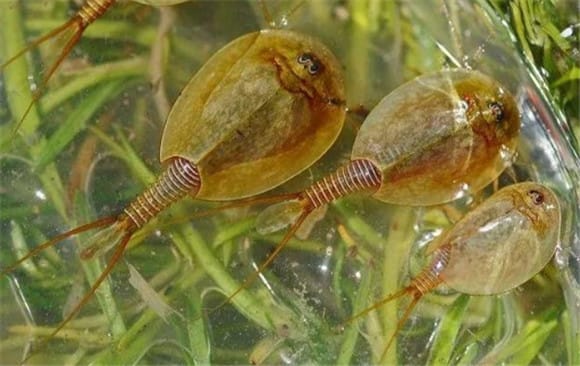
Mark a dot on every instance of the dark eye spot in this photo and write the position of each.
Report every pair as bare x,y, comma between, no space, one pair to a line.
313,68
310,62
536,196
304,58
497,111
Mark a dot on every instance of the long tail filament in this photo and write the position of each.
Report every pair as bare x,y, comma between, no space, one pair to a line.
426,281
87,14
180,178
358,175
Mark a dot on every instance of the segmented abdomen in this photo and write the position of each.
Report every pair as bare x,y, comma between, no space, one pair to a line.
358,175
429,278
180,178
92,10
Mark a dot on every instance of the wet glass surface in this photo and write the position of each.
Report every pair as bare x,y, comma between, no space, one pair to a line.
92,144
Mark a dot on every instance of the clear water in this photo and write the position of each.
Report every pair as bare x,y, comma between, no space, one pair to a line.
359,251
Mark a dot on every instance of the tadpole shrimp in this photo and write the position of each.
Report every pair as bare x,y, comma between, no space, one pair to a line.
494,248
260,111
71,32
434,139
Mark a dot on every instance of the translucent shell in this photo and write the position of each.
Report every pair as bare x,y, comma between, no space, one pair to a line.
504,242
439,137
261,110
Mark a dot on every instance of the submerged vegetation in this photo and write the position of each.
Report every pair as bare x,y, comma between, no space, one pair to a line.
91,144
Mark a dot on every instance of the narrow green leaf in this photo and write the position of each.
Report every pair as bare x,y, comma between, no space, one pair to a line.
93,269
532,345
573,75
247,304
21,248
468,357
199,345
446,334
133,67
103,29
77,121
15,74
351,333
525,346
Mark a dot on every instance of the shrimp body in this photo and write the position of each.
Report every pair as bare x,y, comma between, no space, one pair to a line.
430,141
506,240
439,137
260,111
499,245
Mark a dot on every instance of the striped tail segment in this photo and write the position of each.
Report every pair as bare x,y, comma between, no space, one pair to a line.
358,175
429,278
180,178
92,10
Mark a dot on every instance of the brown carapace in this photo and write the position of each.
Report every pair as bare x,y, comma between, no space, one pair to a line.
434,139
260,111
497,246
71,32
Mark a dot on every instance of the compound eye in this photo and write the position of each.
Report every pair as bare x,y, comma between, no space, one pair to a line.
304,59
536,196
497,111
313,68
311,64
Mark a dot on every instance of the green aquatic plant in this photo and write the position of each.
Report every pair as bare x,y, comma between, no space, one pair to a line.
91,144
